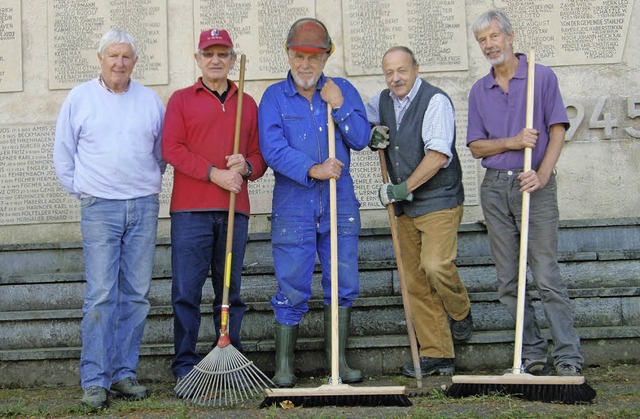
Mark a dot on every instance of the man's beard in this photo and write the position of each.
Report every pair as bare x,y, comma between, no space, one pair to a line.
496,61
305,85
500,59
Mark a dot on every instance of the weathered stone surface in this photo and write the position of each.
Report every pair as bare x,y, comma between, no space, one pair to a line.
40,317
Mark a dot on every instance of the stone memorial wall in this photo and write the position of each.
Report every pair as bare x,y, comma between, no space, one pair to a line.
372,27
258,29
10,46
46,48
28,191
571,32
76,26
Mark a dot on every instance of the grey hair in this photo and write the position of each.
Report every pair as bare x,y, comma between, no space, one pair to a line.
485,19
116,36
405,50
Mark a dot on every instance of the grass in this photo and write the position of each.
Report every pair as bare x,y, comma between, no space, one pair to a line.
618,397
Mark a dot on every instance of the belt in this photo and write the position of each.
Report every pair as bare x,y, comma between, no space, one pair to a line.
497,173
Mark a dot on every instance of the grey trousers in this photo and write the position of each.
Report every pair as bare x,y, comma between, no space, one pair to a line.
502,208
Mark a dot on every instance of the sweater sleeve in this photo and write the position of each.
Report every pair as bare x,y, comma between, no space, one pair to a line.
174,142
65,147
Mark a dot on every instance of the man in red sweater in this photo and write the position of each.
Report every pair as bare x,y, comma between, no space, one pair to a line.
197,140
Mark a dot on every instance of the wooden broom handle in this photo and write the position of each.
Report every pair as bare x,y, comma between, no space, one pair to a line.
524,226
413,342
333,212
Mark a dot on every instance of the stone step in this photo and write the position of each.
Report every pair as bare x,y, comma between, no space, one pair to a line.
374,316
374,355
42,287
601,238
317,343
68,291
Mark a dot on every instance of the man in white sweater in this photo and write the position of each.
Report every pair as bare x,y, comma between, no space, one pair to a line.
107,154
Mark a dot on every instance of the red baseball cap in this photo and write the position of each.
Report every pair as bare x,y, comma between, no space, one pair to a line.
214,37
309,35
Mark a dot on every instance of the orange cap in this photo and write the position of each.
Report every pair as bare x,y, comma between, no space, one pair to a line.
309,35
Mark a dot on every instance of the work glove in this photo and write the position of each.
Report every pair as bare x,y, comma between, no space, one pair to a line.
379,137
390,193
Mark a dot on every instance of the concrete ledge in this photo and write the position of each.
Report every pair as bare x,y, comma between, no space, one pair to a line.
67,290
579,240
374,355
42,288
478,340
21,330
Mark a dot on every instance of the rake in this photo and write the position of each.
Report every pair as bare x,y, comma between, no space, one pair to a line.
225,376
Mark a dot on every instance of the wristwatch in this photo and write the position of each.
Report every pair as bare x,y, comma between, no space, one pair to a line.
249,170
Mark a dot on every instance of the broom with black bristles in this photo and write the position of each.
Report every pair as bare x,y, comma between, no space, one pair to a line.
225,375
335,393
518,383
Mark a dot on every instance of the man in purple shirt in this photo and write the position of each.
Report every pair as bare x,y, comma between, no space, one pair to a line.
495,133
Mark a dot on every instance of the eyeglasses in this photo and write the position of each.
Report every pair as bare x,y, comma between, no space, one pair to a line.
314,60
209,55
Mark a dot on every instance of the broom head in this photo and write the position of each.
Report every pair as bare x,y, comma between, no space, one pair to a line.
570,390
336,395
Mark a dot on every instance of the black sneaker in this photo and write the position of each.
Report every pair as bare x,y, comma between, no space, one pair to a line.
536,366
95,397
430,366
129,389
461,330
568,370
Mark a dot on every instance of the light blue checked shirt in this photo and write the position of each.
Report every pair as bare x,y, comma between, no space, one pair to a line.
438,125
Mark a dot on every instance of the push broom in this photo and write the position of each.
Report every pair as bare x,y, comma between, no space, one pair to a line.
225,375
335,393
413,342
518,383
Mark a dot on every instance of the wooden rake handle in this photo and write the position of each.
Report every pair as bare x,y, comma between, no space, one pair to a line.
224,318
524,226
411,330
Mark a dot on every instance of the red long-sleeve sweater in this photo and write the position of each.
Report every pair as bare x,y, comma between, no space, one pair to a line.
198,131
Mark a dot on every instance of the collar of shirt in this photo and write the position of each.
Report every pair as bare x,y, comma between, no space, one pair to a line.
400,106
108,89
222,97
521,71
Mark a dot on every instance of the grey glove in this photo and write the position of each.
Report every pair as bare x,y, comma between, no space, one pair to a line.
390,193
379,137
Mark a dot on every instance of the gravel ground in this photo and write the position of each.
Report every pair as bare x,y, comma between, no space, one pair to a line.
618,396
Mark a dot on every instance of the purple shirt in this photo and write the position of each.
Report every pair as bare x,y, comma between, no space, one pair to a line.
496,114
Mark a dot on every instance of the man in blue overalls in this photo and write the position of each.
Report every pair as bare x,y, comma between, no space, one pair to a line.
294,143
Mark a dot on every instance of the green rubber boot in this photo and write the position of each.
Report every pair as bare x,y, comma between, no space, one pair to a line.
347,374
285,344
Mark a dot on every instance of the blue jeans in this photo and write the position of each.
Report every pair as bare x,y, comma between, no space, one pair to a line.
502,206
198,242
119,243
